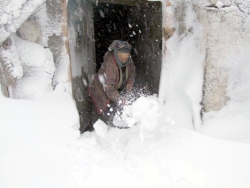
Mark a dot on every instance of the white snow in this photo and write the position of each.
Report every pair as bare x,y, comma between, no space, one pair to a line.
35,135
12,60
231,128
182,71
13,13
39,68
100,128
219,4
41,147
32,54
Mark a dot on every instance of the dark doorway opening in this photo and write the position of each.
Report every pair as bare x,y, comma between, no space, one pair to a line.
141,25
92,28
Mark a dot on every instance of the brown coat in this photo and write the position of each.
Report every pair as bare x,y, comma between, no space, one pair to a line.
105,85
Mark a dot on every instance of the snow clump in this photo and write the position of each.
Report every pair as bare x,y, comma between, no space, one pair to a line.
100,128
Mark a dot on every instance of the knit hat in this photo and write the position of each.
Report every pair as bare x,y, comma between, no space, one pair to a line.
119,45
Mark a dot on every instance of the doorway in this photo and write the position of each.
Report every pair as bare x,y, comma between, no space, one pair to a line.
140,24
92,28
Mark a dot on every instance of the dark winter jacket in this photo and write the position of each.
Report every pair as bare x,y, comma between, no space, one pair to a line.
106,83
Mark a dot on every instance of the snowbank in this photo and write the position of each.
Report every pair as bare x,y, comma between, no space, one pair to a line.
168,156
182,67
38,68
35,139
39,148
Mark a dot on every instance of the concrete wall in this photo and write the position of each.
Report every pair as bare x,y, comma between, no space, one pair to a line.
228,42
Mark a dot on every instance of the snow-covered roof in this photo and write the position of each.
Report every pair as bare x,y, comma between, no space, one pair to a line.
14,13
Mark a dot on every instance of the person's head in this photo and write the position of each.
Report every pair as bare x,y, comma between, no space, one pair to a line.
122,50
123,56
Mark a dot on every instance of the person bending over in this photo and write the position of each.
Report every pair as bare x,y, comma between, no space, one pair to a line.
115,77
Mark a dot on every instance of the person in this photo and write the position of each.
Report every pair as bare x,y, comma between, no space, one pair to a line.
115,77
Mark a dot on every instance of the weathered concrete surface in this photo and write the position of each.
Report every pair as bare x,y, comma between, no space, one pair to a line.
30,30
228,39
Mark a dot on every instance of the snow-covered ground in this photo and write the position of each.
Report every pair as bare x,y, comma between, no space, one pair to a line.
41,147
34,140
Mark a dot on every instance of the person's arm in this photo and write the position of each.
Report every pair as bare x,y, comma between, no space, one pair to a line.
111,75
131,77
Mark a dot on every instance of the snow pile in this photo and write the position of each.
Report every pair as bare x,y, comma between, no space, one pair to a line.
176,112
100,128
233,120
35,139
135,114
235,127
146,107
39,68
40,149
182,68
167,157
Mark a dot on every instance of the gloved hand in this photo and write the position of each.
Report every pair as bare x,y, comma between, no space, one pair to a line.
122,101
129,87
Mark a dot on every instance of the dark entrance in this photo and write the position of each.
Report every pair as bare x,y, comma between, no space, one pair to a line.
140,24
92,28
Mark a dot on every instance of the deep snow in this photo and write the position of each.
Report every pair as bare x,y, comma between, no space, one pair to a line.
40,145
34,140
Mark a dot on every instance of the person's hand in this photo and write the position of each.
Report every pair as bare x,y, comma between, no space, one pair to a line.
129,88
122,101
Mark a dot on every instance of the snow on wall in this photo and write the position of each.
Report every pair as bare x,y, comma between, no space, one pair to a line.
182,69
13,13
11,69
39,68
44,27
48,17
13,63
